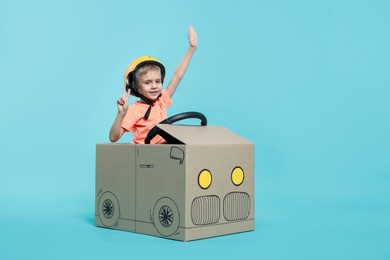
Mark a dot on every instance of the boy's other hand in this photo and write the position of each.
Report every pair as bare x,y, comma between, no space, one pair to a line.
123,101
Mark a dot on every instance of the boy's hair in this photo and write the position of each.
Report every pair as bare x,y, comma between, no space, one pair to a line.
141,71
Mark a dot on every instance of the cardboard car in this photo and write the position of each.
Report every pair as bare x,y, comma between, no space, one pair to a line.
199,184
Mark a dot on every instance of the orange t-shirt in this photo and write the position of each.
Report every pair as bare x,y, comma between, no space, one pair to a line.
135,122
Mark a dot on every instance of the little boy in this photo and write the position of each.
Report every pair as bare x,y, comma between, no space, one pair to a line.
143,79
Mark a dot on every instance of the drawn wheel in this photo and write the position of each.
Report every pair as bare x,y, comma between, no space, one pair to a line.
108,209
166,217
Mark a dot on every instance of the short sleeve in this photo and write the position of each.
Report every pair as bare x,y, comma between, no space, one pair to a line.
128,121
166,100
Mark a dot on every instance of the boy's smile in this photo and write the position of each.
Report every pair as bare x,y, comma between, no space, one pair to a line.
150,84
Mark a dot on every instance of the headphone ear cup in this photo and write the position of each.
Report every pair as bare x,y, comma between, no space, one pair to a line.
130,85
134,90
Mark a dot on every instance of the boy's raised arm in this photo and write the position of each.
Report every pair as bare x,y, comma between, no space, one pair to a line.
183,65
116,130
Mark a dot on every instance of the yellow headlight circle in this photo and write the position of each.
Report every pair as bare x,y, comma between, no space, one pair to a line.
238,176
204,179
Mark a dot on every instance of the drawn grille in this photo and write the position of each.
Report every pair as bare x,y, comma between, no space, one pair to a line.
205,210
236,206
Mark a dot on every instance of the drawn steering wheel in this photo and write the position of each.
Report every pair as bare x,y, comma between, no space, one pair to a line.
170,120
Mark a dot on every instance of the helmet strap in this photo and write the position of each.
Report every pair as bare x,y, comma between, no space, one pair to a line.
150,103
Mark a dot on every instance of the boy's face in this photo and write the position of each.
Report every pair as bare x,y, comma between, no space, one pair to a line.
150,84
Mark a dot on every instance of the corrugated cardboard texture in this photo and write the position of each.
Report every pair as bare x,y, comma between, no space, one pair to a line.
161,190
115,186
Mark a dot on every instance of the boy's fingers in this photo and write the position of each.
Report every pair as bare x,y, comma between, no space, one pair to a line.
122,100
125,94
192,30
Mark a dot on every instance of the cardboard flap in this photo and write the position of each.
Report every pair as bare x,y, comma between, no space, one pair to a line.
201,134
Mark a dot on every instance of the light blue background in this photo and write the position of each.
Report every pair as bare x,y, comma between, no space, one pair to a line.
306,81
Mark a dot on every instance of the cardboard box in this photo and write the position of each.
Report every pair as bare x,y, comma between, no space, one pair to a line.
199,185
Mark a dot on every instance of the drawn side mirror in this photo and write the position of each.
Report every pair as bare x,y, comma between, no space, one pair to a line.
177,154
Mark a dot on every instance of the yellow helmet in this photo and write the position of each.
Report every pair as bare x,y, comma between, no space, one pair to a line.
130,80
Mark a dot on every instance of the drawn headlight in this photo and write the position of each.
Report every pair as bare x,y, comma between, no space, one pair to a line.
204,179
237,176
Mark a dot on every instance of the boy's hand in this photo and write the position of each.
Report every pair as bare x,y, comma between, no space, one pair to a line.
192,37
123,101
